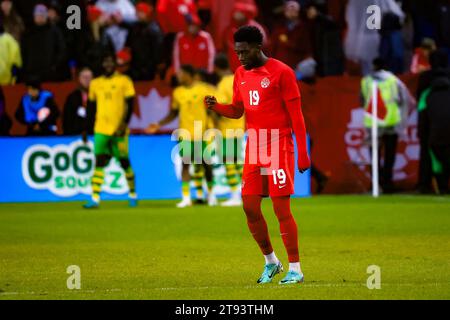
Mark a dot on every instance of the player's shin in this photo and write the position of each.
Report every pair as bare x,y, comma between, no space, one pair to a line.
97,181
240,169
288,230
129,173
212,200
198,182
232,177
185,187
257,224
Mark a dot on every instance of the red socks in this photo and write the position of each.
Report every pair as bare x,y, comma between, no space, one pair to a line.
258,226
288,227
256,223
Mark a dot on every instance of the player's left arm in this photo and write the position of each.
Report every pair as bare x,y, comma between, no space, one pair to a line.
292,101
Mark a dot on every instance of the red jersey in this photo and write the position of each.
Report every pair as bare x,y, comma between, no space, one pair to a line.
270,98
263,92
198,51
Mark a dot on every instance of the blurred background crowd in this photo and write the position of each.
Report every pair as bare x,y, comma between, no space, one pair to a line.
152,38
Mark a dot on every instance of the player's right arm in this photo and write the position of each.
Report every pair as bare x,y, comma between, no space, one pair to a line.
235,110
172,115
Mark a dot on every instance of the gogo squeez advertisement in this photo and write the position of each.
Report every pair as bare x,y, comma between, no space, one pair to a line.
66,170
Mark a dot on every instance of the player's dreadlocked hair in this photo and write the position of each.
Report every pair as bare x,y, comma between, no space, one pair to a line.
249,34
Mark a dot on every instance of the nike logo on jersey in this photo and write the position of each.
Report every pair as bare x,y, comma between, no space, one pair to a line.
243,83
281,187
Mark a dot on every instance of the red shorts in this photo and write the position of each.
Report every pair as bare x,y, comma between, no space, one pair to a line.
276,180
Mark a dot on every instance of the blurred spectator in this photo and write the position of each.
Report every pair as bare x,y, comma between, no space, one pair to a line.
116,30
74,118
243,14
10,58
326,40
204,12
391,44
408,36
37,110
122,10
123,60
439,63
43,49
172,14
194,47
290,39
145,42
361,43
271,12
434,129
421,58
439,70
12,22
336,9
96,43
425,17
392,97
54,13
5,121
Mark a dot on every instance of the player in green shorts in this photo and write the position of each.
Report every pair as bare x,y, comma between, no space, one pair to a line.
111,98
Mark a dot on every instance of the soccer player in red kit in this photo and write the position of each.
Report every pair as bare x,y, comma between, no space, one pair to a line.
266,90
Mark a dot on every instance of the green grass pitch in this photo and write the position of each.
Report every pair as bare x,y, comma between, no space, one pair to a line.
159,252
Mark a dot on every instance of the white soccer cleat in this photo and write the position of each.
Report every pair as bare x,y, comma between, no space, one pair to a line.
234,201
186,202
212,200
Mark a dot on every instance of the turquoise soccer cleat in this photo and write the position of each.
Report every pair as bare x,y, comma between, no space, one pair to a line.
270,270
292,277
91,204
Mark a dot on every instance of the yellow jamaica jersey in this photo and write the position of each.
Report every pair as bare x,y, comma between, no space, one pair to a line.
224,95
193,114
110,94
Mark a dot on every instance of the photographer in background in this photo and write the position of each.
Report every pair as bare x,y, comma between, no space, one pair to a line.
37,110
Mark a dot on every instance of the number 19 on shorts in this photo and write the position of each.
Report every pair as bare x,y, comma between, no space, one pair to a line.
279,177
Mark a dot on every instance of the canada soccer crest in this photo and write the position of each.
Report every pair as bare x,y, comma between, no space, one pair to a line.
265,83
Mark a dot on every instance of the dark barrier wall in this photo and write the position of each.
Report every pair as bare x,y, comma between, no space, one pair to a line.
334,120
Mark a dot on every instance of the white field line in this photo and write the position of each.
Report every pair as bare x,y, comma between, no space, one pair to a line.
304,285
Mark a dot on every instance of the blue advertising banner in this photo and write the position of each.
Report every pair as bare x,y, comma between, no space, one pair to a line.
59,169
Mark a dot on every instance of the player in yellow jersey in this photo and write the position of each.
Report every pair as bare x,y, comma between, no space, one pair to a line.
188,105
232,131
111,98
199,174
